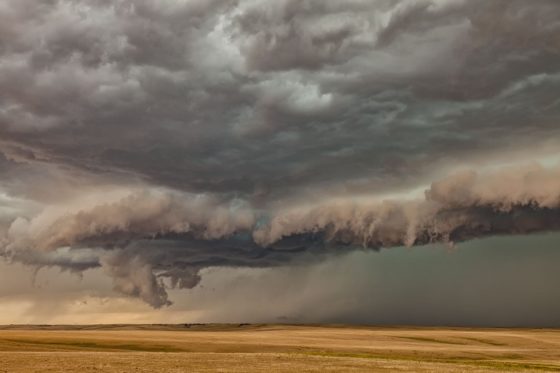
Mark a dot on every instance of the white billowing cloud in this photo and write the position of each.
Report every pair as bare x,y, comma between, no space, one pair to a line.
144,214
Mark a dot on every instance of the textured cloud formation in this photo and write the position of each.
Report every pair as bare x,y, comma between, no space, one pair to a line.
155,139
143,236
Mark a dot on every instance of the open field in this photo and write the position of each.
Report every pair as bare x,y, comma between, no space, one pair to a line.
275,348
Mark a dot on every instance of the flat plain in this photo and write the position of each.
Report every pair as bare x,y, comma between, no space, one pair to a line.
275,348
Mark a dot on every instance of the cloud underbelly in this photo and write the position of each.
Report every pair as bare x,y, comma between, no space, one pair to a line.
148,236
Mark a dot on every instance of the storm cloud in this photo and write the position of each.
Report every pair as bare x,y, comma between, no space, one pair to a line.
153,140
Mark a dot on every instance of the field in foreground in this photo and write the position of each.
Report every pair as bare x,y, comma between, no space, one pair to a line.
275,348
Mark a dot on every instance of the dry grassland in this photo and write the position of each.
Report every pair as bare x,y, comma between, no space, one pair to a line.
270,348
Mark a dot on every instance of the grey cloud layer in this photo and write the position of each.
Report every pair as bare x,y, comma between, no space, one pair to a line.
154,139
256,97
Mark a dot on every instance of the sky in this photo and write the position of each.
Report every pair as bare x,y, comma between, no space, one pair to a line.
357,161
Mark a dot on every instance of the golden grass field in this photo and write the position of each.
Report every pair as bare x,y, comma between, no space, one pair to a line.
275,348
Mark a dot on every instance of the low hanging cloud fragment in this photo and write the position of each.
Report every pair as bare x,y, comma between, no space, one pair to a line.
145,237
